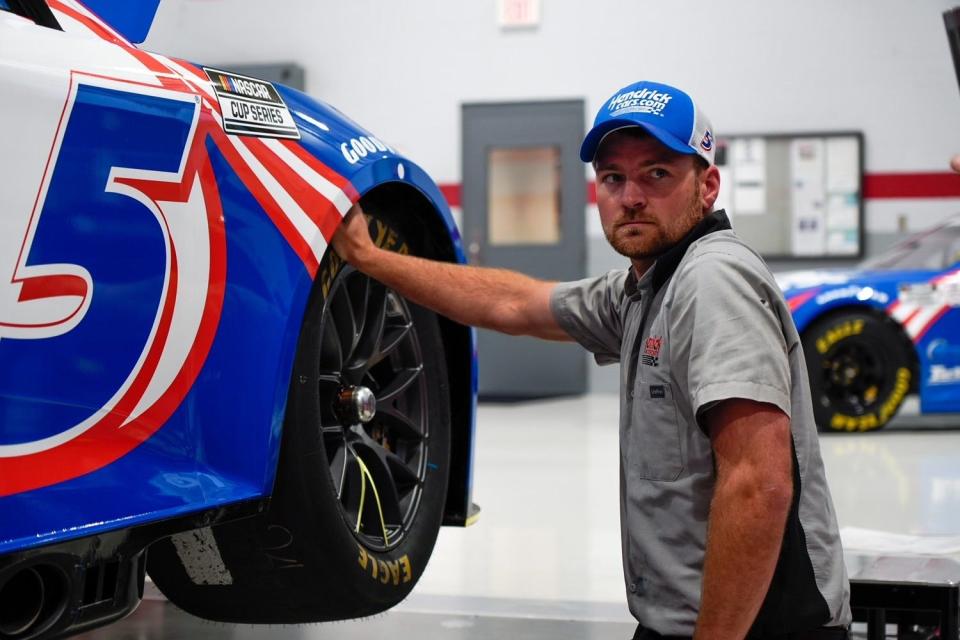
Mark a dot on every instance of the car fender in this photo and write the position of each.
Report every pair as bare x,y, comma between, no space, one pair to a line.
811,304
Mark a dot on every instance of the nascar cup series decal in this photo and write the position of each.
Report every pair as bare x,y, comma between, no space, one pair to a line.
251,107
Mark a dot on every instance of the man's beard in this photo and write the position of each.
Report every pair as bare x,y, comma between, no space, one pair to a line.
655,240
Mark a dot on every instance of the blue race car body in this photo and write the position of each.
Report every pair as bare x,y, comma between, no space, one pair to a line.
165,229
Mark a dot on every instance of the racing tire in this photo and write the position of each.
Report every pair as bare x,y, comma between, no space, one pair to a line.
860,369
356,506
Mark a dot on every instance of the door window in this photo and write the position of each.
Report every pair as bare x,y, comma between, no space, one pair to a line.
523,190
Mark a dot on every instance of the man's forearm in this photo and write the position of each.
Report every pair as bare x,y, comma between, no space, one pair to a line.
745,532
491,298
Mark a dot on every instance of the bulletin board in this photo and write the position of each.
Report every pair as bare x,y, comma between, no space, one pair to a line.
794,195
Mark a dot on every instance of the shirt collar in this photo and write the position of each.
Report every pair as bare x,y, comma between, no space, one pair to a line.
657,275
635,286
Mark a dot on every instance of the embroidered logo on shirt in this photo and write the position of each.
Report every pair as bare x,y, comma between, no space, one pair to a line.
651,351
657,391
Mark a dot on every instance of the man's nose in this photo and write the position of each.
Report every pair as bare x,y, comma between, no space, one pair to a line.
633,196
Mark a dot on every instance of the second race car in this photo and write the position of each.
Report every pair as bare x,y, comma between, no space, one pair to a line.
889,328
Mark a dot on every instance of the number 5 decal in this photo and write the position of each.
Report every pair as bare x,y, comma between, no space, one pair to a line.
116,286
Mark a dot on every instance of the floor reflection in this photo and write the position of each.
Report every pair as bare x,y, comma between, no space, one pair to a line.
544,559
159,620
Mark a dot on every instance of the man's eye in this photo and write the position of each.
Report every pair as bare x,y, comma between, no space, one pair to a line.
611,178
659,173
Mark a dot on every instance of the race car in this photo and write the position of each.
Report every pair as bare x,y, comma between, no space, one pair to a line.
887,329
194,385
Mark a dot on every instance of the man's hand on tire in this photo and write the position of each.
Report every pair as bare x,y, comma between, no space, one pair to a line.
352,239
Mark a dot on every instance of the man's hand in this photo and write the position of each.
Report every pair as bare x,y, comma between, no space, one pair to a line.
495,299
352,239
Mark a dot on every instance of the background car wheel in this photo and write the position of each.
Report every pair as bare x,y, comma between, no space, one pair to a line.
359,495
860,369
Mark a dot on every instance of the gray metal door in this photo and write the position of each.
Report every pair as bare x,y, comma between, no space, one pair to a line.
524,194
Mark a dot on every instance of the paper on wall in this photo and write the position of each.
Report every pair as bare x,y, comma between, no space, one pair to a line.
748,158
807,168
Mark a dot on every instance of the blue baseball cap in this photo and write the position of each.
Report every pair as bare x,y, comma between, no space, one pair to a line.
667,113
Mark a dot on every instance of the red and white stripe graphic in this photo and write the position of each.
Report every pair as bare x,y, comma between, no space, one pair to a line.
304,198
917,319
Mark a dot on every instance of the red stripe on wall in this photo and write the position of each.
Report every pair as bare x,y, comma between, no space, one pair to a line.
876,186
452,193
911,185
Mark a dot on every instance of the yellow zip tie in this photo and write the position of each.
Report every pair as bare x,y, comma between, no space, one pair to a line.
364,475
363,492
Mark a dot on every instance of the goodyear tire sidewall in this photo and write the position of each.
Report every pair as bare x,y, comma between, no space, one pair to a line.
308,505
885,341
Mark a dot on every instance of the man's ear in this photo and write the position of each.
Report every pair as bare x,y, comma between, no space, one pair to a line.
709,187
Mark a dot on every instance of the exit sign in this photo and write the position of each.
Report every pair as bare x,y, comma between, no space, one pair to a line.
519,13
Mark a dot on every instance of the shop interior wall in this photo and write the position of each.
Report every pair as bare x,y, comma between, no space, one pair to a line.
403,70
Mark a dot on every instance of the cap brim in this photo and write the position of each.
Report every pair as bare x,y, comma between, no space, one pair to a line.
593,139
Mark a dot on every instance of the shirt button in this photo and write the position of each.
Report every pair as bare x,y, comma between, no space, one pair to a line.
633,587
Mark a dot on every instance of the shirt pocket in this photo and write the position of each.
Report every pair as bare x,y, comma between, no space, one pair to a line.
655,451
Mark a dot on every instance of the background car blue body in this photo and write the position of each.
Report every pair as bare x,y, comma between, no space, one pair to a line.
923,301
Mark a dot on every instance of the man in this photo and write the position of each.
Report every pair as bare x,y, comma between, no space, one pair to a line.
728,530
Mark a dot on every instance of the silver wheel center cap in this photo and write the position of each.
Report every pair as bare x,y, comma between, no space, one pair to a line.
359,402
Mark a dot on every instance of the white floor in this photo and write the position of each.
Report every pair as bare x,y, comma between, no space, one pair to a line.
548,540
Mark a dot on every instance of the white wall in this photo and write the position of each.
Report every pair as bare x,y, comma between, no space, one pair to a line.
403,68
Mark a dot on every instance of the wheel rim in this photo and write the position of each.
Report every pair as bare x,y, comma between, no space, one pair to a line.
853,377
377,462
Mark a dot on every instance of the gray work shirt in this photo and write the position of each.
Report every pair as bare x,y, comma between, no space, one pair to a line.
705,324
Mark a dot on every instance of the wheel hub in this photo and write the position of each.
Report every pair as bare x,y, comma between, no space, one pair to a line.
853,374
356,405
